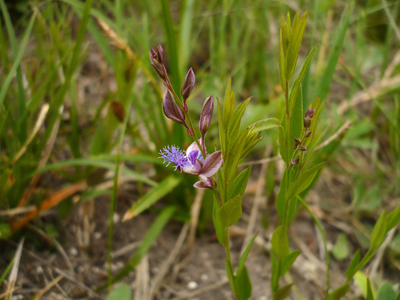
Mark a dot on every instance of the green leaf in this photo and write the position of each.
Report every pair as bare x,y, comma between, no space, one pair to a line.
280,198
299,79
361,281
379,231
302,182
282,144
265,124
280,242
243,258
238,185
295,44
393,219
339,292
151,197
229,105
288,261
229,273
352,269
326,78
234,154
341,249
230,212
386,292
5,272
243,284
18,57
96,163
5,231
370,294
222,131
274,272
282,60
219,229
283,292
122,292
237,117
296,122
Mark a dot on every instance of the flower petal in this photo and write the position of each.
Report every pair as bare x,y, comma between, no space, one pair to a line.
193,147
193,155
203,183
211,164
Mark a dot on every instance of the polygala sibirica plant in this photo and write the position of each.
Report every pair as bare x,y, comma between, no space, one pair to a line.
218,171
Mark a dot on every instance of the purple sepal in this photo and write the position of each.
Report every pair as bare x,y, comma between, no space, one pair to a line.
212,164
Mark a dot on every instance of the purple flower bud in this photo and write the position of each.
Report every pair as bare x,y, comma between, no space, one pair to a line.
308,133
292,162
160,54
303,148
172,110
206,115
297,160
155,61
187,86
307,122
310,113
297,141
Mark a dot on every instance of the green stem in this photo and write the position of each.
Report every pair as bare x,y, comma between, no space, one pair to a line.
285,220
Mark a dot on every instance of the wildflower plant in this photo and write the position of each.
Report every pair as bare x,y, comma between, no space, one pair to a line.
218,171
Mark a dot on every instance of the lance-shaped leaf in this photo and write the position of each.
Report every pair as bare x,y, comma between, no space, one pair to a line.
265,124
302,182
280,242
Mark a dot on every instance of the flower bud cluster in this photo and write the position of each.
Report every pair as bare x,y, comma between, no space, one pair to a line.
307,120
298,143
194,160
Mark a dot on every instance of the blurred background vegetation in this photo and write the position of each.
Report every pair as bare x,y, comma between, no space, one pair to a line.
81,116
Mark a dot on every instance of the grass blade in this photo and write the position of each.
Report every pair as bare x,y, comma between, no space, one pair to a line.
17,59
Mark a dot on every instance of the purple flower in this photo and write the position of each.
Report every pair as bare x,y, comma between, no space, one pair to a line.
192,162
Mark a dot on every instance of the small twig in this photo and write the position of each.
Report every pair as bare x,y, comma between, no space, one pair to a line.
142,279
155,285
14,271
47,287
374,91
345,126
125,249
17,211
